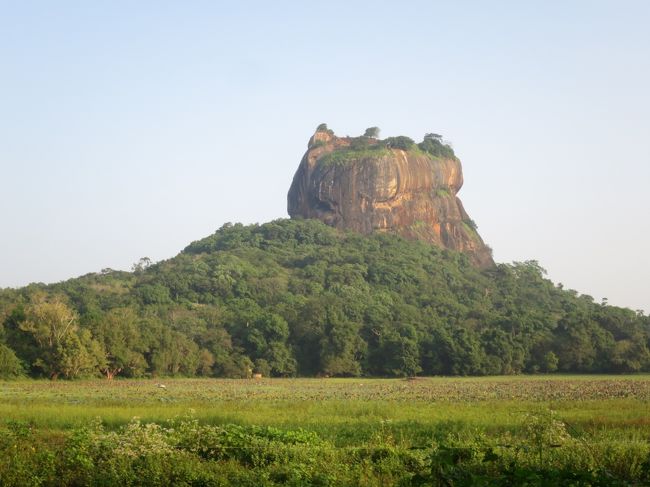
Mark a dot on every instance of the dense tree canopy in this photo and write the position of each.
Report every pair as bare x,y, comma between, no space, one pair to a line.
294,297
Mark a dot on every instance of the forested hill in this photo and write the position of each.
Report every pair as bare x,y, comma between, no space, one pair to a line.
296,297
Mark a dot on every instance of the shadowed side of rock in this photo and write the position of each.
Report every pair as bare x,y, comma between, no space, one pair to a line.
364,185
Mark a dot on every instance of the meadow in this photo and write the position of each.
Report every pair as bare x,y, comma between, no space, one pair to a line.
516,430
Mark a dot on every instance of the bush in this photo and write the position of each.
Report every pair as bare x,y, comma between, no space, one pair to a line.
471,223
184,452
400,142
10,366
371,132
323,128
433,145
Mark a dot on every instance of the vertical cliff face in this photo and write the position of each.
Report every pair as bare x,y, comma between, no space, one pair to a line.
368,185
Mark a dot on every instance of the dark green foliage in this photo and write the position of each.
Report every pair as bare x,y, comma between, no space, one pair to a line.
323,128
433,136
434,145
45,334
186,452
10,366
296,297
400,142
367,146
372,132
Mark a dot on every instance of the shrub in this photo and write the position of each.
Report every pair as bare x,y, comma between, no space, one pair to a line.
323,128
471,223
318,143
433,145
10,366
400,142
342,157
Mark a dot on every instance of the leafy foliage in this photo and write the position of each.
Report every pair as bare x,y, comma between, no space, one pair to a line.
10,366
434,145
296,297
358,150
399,142
368,146
58,346
323,128
185,452
371,132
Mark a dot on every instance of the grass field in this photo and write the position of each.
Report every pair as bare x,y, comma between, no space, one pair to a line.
446,431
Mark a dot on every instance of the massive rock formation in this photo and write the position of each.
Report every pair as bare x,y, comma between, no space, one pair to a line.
368,185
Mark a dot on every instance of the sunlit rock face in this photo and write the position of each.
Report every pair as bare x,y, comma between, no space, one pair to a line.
374,187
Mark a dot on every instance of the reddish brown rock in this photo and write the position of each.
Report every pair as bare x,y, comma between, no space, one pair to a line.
363,185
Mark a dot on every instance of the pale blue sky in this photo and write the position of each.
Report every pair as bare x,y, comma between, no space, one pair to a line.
129,129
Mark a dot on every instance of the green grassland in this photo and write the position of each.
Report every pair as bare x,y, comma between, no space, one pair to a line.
522,430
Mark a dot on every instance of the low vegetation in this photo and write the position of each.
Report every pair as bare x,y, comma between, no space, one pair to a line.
436,147
356,432
355,153
368,146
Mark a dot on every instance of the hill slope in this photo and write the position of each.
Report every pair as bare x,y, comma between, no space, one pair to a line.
297,297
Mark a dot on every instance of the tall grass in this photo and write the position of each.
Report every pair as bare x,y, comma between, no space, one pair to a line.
427,429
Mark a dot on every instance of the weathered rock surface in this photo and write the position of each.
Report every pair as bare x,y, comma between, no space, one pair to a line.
376,188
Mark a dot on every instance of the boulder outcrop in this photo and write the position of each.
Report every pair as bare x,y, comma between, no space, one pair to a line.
368,185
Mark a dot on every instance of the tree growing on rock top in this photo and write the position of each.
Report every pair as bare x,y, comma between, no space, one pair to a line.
371,132
432,136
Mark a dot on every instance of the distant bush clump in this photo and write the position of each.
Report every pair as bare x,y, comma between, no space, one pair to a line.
433,145
372,132
318,143
399,142
471,223
323,128
10,365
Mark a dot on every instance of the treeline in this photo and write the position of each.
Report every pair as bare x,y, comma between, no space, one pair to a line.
299,298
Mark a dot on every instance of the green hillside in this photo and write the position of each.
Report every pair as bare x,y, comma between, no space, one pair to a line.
295,297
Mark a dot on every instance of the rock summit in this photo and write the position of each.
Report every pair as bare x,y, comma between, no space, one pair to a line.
393,185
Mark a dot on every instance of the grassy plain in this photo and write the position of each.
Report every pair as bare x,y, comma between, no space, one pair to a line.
534,420
592,404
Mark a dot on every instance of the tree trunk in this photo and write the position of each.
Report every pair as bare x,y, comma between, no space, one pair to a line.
111,373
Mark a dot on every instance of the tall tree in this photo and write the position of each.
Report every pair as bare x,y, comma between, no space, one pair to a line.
125,347
371,132
62,349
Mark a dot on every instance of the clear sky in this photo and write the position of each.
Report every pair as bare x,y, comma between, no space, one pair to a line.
129,129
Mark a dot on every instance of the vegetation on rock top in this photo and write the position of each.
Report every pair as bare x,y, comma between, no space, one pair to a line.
369,146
